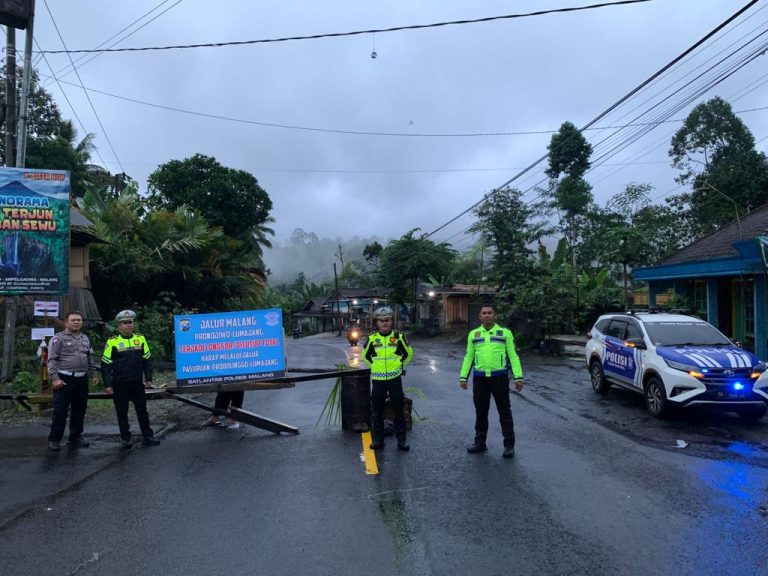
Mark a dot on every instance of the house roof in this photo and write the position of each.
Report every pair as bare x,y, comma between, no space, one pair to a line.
81,233
346,293
719,244
469,289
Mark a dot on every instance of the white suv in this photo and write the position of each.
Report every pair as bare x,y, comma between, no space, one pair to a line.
675,360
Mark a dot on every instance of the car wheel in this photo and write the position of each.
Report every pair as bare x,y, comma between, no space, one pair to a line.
752,413
599,383
656,397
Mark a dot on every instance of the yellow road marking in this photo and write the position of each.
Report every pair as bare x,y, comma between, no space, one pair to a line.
369,457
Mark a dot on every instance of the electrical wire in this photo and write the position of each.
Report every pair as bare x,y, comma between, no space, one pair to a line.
356,32
88,97
71,106
354,132
611,108
67,69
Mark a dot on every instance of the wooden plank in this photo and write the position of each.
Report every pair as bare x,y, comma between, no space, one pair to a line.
160,393
240,415
151,393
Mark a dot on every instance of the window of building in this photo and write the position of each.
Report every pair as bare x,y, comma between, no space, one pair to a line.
700,298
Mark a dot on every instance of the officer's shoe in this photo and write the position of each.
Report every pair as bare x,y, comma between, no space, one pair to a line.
78,443
477,448
54,446
509,452
403,445
125,443
150,441
377,445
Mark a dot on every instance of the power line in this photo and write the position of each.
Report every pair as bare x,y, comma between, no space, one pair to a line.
353,33
71,106
358,132
80,80
128,26
607,111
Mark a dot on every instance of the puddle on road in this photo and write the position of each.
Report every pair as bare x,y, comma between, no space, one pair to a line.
410,556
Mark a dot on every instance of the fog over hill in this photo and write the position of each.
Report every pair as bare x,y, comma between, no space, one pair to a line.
305,252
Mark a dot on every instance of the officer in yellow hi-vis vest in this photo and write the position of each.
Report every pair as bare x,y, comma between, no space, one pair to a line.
387,352
126,368
491,352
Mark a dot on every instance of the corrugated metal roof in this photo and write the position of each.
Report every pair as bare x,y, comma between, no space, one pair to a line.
718,244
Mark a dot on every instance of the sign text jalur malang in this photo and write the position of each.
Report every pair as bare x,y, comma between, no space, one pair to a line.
229,347
34,231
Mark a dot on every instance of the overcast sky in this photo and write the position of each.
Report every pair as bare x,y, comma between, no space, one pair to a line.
527,74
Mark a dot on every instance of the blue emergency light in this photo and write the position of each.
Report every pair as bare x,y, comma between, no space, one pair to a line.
738,386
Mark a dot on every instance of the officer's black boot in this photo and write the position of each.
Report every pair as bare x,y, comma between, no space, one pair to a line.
478,446
402,444
377,443
509,451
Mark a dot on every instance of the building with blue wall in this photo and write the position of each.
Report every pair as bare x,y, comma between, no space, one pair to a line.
722,278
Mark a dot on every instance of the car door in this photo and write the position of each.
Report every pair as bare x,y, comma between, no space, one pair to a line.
619,360
634,331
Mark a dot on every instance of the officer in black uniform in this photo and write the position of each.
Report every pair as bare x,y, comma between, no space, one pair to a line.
126,359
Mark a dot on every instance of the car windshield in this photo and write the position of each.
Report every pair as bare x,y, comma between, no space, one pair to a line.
685,334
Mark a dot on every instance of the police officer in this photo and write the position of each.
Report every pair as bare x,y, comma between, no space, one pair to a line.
387,352
491,351
70,360
126,359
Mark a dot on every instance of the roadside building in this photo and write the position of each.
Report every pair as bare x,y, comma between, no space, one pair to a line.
720,277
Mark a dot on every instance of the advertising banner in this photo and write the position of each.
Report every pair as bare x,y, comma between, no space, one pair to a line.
34,231
229,347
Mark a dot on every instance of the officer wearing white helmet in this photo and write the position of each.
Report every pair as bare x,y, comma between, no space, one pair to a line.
387,352
126,368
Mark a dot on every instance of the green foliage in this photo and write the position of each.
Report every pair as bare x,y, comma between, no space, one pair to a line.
147,252
51,141
473,265
25,383
332,408
155,322
405,260
372,251
569,194
227,198
507,225
569,153
716,155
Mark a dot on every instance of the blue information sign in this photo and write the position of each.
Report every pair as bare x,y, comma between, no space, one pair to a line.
229,347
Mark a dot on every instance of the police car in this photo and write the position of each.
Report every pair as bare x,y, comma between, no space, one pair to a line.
675,360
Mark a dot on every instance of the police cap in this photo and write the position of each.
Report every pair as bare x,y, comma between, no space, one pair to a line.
125,315
383,312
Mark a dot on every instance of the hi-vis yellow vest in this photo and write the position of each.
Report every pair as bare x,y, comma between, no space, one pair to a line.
491,353
386,355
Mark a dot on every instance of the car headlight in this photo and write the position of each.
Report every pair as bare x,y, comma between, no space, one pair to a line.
757,371
694,371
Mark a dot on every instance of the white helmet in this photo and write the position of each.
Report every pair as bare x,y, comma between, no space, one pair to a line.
383,312
125,315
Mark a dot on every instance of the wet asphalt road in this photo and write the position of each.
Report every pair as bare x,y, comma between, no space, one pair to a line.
596,487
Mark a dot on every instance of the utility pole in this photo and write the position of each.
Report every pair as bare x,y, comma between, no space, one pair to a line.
9,333
338,304
15,155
